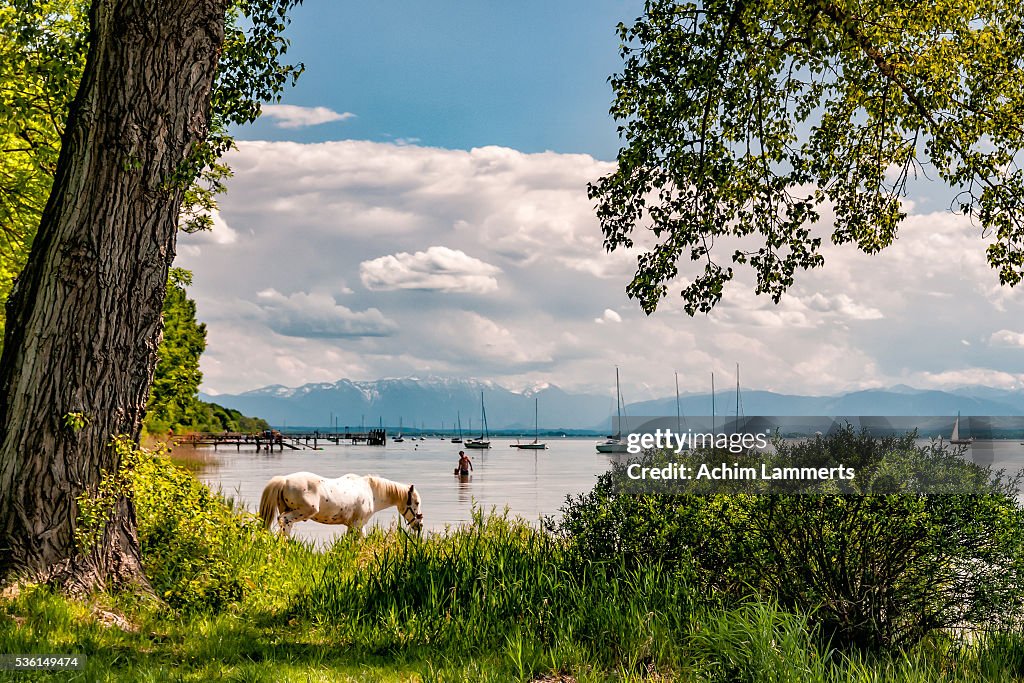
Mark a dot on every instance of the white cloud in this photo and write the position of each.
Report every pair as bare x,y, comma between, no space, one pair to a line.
968,376
318,315
1007,338
221,233
844,306
516,236
609,316
292,116
438,268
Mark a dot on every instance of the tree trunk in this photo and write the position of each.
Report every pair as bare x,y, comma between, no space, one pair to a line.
84,318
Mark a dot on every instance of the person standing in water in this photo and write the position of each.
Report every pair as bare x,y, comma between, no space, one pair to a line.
465,465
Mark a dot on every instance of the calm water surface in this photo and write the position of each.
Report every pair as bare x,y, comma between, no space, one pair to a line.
531,483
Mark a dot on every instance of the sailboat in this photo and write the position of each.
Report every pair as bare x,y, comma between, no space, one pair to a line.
536,444
955,439
458,439
615,444
399,438
485,439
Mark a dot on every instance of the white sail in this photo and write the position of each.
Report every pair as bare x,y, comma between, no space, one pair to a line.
956,429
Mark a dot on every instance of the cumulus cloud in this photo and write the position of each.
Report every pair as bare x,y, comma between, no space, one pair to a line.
1007,338
292,116
318,315
377,237
438,268
844,306
221,233
609,316
968,376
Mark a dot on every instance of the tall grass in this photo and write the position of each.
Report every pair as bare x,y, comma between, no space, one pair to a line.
499,585
494,600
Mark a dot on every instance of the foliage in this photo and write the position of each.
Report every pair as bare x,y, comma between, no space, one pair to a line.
43,46
249,640
177,377
882,568
499,584
173,399
42,53
188,535
211,417
76,421
95,505
495,600
745,121
758,642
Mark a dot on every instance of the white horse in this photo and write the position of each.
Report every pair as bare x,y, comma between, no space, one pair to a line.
350,500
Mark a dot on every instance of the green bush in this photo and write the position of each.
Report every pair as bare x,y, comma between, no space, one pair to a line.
189,537
874,570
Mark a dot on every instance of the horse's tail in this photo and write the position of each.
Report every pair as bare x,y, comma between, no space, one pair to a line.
272,500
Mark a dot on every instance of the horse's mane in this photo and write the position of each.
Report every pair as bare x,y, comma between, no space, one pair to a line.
392,489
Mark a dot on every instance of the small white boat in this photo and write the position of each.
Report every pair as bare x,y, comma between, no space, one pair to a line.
485,438
615,444
955,439
612,445
458,439
536,444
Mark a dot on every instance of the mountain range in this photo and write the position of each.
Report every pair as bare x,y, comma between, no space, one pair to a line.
436,403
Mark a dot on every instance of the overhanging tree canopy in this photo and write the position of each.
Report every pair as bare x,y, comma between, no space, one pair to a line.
743,120
84,318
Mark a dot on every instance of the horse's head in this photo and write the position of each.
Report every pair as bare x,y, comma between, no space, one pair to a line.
412,511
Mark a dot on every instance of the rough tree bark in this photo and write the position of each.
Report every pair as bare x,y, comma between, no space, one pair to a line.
84,319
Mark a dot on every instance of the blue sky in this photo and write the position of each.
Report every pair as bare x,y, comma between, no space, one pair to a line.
418,207
530,75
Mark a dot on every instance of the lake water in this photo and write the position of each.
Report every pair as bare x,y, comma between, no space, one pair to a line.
530,483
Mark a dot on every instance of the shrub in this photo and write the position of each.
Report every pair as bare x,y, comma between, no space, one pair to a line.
876,569
189,537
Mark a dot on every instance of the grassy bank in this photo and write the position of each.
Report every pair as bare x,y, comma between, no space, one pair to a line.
386,610
495,600
353,615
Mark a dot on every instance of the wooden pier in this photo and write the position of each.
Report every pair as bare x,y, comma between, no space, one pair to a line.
295,441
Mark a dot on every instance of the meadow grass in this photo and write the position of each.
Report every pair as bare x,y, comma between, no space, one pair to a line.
494,600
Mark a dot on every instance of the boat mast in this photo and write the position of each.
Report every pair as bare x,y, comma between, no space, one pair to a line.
713,403
536,425
679,422
483,418
618,405
737,424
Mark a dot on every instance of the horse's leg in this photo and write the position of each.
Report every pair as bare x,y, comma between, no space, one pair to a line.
291,517
306,506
